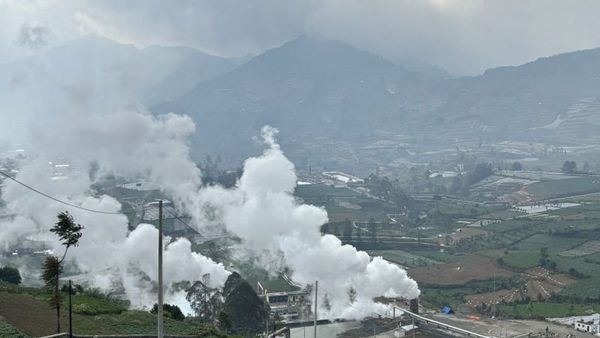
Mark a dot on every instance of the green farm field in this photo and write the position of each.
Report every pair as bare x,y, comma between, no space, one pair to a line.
565,187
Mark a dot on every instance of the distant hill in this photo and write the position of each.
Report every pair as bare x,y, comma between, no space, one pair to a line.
307,88
553,98
324,90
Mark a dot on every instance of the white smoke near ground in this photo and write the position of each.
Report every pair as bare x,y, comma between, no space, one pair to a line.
130,144
263,212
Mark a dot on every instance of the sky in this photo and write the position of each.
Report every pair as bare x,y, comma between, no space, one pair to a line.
462,36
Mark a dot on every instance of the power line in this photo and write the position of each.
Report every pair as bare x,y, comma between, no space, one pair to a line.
58,200
84,208
180,220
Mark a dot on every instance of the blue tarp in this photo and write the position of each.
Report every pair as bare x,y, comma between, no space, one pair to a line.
447,310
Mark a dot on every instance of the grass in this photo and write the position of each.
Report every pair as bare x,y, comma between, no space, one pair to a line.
36,318
320,191
27,310
403,258
586,287
438,256
538,310
7,330
88,305
132,322
555,244
455,208
564,187
330,197
521,260
442,297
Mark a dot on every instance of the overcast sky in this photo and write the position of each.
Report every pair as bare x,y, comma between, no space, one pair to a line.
462,36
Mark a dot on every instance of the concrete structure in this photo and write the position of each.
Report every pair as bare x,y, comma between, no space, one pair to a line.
405,330
283,332
584,326
342,177
424,321
288,305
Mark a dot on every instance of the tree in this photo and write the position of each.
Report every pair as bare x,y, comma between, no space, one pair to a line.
326,303
224,322
516,166
544,256
69,233
587,168
480,172
206,302
373,229
388,191
10,275
569,167
246,311
169,311
456,185
352,295
51,270
347,230
67,230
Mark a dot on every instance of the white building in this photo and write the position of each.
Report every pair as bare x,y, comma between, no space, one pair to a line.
584,326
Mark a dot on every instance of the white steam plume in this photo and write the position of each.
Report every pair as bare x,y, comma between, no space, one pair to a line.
262,211
129,144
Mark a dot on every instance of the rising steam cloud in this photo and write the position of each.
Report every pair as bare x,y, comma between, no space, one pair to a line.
130,144
261,210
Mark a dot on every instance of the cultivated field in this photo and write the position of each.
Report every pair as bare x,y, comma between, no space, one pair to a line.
470,269
585,249
537,283
403,258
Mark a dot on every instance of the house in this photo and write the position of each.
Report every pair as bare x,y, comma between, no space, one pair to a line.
288,305
404,330
584,326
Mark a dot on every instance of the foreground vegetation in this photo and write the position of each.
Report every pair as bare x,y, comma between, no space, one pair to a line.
93,314
7,330
542,310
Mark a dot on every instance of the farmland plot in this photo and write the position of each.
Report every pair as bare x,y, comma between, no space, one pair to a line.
585,249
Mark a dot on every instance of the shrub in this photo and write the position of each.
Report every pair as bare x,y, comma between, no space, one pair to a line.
10,275
169,311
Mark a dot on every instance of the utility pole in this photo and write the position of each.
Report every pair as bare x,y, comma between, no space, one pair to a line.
494,300
58,302
316,291
267,325
160,269
70,310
